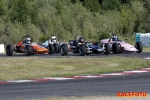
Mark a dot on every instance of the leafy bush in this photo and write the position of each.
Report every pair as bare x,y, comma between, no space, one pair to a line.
92,5
2,11
67,19
104,35
22,11
111,4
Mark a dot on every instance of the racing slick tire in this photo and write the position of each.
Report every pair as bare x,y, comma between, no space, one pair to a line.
9,50
82,50
107,49
139,46
115,48
56,48
28,50
51,49
64,50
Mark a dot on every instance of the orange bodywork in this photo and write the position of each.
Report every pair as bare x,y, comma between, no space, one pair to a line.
39,49
36,48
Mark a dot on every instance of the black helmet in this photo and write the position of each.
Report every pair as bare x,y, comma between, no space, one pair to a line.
81,39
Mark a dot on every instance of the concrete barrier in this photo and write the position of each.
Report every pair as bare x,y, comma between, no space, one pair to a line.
2,50
144,38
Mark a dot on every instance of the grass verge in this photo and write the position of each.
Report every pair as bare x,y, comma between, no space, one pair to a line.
99,97
35,67
146,49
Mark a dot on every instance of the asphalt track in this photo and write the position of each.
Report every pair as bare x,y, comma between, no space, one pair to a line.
81,87
70,55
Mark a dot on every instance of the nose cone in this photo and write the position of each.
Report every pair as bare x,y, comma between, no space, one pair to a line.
128,47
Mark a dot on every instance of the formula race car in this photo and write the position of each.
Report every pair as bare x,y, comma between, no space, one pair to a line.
96,48
86,48
58,46
26,46
119,46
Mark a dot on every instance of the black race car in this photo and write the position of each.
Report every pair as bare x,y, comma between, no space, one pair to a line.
85,48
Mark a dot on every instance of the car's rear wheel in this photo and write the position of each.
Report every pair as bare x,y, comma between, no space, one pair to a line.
9,50
115,48
64,49
82,50
57,48
107,49
28,50
51,49
139,46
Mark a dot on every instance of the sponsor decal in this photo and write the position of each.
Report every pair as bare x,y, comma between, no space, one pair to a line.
131,94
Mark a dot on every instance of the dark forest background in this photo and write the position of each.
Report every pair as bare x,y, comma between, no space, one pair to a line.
93,19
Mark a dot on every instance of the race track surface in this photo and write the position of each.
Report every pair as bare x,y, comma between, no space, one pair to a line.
108,86
81,87
55,55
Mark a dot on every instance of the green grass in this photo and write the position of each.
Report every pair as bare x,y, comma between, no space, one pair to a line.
35,67
99,97
146,49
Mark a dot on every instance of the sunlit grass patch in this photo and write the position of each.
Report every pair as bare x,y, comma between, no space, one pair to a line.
35,67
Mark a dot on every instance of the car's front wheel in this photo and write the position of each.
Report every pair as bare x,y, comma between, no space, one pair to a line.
106,49
139,46
82,50
28,50
9,50
64,49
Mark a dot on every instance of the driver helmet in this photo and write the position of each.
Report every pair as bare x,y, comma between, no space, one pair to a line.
53,38
115,37
81,39
28,40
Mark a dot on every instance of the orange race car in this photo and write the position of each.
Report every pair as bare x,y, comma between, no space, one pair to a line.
26,46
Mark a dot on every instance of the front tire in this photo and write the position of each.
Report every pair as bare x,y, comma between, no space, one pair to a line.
9,50
82,50
139,46
64,50
28,50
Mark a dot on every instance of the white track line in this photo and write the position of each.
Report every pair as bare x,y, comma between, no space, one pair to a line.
148,58
146,68
113,74
134,71
20,81
88,76
57,78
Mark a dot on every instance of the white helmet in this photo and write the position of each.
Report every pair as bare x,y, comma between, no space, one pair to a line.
28,40
53,38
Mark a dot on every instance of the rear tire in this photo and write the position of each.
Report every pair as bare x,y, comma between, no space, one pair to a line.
107,49
9,50
64,50
139,46
51,49
115,48
56,48
28,50
82,50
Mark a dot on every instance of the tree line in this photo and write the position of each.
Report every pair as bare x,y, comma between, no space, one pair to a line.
93,19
